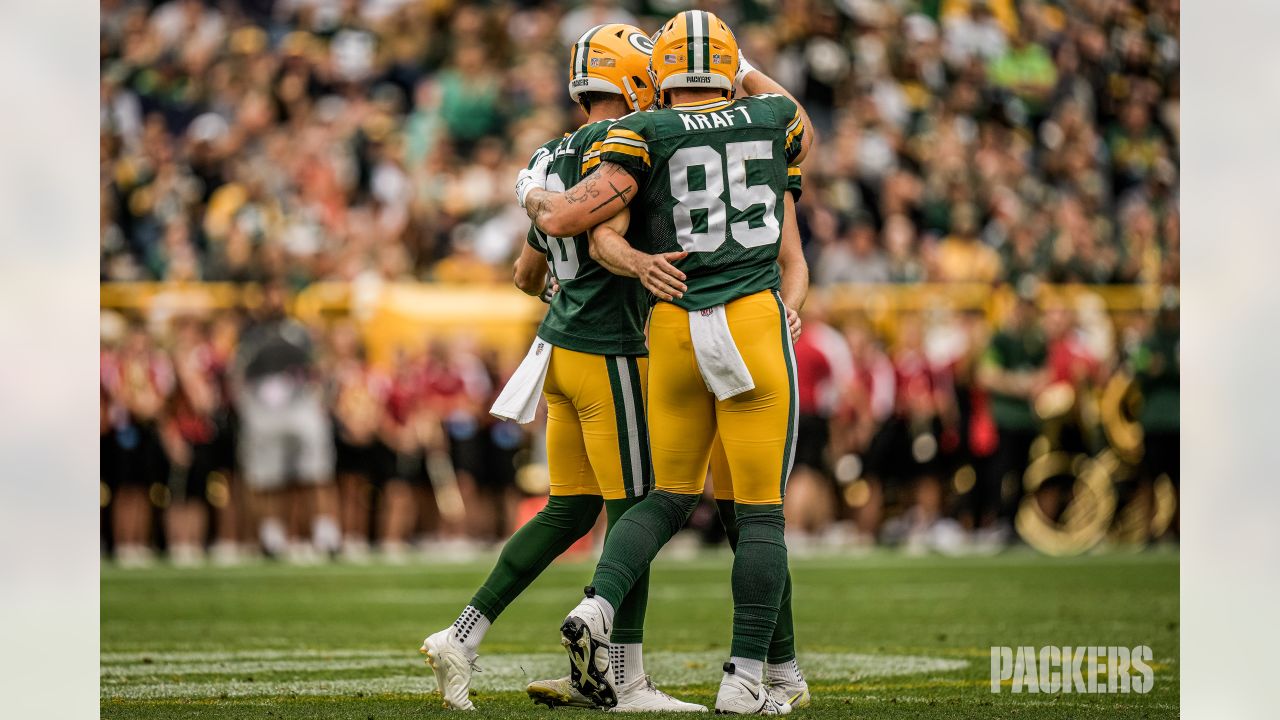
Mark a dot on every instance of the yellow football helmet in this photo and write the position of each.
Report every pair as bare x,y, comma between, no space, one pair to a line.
613,58
695,49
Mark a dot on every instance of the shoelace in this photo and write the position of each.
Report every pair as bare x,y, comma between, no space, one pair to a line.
648,680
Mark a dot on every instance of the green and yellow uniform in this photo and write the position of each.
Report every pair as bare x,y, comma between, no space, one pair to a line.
711,180
596,425
1016,351
595,311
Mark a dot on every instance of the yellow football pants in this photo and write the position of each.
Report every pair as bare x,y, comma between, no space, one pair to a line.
597,441
757,428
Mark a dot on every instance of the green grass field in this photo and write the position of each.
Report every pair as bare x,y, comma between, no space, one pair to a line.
880,636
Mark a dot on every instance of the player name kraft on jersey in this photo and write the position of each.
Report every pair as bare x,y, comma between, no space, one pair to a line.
715,119
1054,669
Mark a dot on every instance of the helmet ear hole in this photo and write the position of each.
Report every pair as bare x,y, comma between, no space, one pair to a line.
639,82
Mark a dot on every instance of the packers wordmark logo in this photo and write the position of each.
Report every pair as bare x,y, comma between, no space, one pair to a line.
1086,670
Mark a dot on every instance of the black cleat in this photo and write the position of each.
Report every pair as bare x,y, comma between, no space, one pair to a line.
584,672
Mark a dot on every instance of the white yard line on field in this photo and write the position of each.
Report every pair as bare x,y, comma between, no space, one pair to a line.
145,676
147,658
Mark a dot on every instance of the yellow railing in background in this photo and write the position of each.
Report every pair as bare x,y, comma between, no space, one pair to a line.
404,315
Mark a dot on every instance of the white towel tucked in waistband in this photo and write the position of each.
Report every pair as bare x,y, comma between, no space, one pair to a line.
519,398
718,358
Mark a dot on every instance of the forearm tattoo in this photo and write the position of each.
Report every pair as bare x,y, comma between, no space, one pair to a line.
539,204
618,194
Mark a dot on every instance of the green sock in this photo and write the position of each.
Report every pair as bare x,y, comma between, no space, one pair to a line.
759,577
782,647
636,539
528,552
628,619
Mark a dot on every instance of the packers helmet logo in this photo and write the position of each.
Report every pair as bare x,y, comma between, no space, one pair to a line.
641,43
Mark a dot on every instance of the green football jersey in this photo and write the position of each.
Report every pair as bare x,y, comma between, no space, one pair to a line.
711,180
595,311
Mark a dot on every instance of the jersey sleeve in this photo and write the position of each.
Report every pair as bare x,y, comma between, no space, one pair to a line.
536,239
590,158
627,145
789,112
795,181
592,141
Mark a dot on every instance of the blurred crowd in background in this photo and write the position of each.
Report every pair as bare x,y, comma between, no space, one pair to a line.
1014,143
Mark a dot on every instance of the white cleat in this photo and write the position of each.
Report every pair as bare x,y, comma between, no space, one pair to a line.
452,668
739,696
559,692
641,695
585,636
795,694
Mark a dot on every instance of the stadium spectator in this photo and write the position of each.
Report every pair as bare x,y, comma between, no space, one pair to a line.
458,388
190,433
286,445
136,378
1026,70
356,395
863,405
1012,371
974,32
1157,370
962,256
854,258
408,431
231,515
823,367
977,437
907,455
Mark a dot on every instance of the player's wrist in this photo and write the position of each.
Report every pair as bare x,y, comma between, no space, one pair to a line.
525,187
745,68
635,262
533,177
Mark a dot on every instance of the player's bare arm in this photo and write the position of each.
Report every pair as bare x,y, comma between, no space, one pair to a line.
592,201
530,273
795,271
609,247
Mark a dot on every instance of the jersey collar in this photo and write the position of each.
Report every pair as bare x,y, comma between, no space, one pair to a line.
704,105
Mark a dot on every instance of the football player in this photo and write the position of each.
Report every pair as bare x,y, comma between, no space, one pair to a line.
597,444
711,172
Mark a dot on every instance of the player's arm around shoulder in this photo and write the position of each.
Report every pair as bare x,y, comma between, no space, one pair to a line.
623,165
608,245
